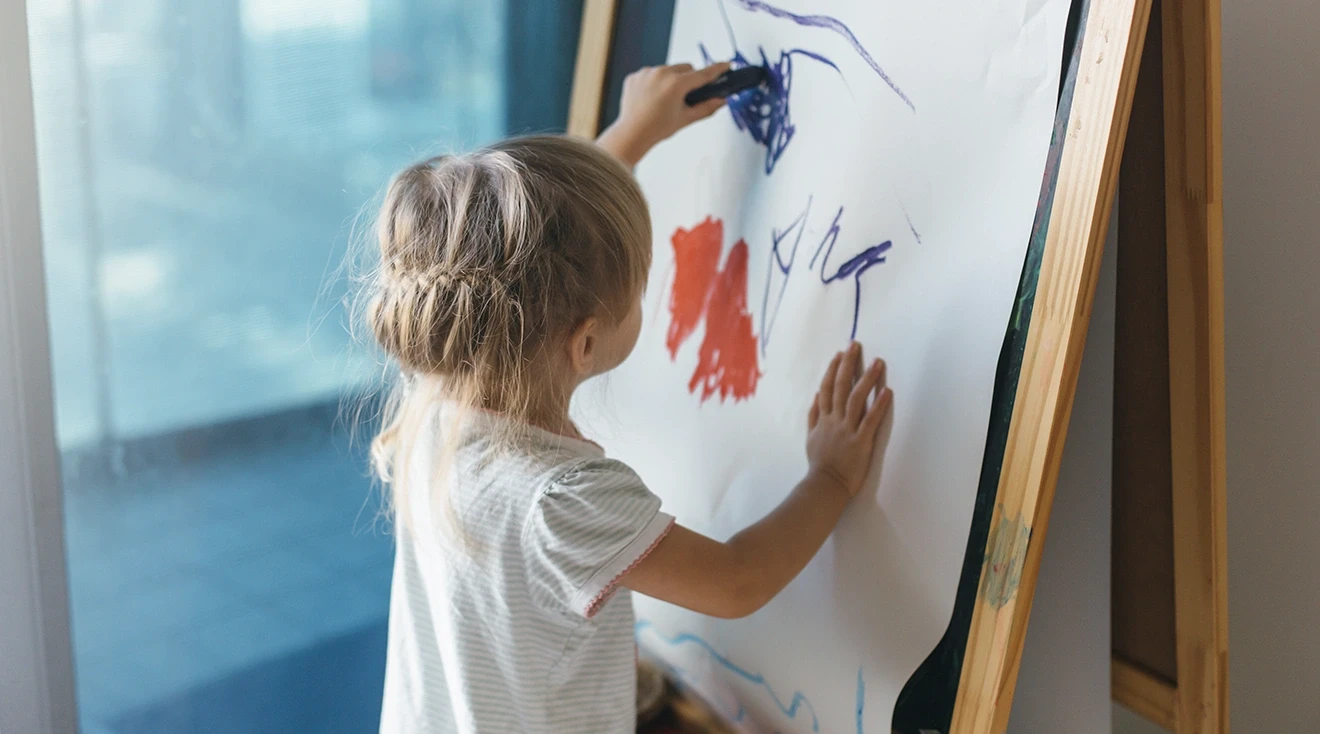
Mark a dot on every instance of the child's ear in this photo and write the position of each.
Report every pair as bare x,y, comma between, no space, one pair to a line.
582,347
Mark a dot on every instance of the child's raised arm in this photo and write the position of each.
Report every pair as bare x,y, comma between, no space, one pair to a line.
652,108
738,577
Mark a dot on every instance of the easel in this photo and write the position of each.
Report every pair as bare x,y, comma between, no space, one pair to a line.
1170,557
1170,552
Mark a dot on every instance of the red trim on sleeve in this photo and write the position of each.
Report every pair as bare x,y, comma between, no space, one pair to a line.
608,592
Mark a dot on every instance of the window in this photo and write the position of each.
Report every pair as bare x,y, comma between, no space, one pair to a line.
202,165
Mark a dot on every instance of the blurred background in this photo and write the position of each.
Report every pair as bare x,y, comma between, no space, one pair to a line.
204,166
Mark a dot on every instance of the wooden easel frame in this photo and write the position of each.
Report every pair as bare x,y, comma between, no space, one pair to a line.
1198,700
1184,61
1088,176
1111,52
593,61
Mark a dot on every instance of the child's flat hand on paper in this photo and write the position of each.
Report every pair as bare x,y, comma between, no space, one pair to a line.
652,108
736,577
845,419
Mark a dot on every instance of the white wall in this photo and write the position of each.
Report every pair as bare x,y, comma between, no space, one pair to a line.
1272,315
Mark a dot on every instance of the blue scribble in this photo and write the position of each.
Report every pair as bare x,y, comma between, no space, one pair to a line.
791,709
855,267
833,24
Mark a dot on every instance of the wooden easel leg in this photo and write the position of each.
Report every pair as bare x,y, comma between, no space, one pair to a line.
1145,666
1194,231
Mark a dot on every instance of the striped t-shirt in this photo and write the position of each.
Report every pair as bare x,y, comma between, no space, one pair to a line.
519,627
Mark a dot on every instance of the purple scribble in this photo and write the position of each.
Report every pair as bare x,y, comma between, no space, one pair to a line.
784,267
832,24
908,217
763,111
854,268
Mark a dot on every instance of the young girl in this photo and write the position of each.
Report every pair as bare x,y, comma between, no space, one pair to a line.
508,277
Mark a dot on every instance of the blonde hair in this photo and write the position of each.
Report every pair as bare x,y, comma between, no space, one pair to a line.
488,261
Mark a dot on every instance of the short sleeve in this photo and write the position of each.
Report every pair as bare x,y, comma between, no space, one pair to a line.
586,531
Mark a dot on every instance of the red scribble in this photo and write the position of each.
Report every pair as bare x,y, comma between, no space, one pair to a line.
696,260
727,360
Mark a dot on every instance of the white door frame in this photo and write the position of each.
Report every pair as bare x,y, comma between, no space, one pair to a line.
36,668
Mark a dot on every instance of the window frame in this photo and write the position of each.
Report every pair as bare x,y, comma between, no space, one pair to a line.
36,662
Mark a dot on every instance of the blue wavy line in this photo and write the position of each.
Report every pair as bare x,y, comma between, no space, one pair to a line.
861,700
790,710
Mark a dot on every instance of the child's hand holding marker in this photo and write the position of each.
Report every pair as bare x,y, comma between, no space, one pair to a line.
652,108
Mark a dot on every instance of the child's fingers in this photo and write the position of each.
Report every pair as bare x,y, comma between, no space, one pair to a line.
847,375
813,416
641,73
879,409
825,398
694,79
680,68
861,393
709,74
705,109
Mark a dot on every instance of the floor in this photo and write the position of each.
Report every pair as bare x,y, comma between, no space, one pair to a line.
193,577
331,686
684,715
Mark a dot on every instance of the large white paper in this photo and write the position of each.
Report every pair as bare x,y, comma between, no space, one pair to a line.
895,199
